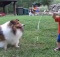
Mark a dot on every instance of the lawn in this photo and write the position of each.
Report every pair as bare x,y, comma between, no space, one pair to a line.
34,43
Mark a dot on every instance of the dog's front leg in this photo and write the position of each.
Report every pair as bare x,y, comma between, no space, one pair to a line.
5,45
17,44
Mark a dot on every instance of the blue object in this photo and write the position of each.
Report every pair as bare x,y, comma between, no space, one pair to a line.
58,39
37,11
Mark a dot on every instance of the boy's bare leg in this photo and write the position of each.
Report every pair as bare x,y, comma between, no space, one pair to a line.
58,46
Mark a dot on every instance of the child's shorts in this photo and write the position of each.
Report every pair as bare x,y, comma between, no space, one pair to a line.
58,39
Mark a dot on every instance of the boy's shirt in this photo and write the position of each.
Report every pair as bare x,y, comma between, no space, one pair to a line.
57,19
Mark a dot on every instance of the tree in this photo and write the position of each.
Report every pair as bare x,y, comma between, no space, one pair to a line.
26,3
46,2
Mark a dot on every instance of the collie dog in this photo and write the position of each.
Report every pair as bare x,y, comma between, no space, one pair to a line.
10,33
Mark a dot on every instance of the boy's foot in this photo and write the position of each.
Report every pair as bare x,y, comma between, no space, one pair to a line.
57,49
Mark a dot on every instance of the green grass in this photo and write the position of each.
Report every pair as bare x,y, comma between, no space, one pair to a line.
29,46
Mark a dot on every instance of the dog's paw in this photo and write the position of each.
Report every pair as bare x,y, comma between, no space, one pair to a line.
5,48
17,46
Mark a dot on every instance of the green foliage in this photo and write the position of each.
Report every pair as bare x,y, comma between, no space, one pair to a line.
26,3
46,2
56,1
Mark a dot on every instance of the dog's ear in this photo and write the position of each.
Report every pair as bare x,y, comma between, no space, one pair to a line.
12,22
14,30
17,19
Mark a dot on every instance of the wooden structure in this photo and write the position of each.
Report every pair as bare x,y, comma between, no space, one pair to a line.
3,3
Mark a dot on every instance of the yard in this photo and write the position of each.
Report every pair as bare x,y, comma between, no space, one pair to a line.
34,43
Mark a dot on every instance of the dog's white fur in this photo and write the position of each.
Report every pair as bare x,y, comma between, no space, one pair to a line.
10,38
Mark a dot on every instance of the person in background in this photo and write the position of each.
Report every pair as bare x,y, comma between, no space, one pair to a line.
31,12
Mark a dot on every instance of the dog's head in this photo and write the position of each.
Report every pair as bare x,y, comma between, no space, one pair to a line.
15,24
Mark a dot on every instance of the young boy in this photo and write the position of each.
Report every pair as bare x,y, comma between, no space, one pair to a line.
57,19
